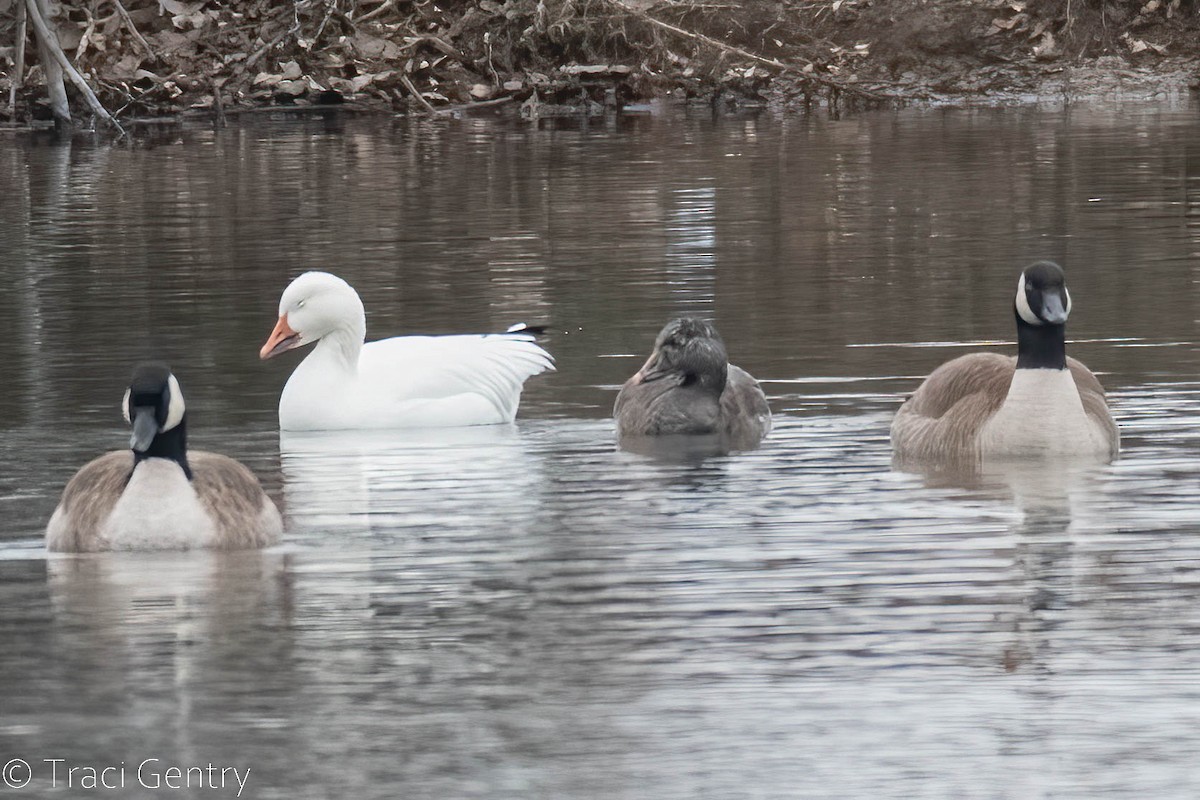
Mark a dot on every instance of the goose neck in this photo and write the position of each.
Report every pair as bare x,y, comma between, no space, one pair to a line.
171,445
342,347
1041,346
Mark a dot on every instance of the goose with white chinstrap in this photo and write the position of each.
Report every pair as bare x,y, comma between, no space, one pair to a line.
1039,404
158,495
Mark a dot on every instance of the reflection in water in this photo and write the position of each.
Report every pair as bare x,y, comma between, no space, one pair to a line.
527,611
681,448
690,256
403,481
1043,491
185,647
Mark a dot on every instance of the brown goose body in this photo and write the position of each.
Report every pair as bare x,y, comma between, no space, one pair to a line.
949,414
157,495
1039,404
237,513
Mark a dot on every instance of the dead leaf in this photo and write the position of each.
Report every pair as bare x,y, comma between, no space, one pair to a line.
175,8
1010,23
481,91
374,47
290,71
1047,49
125,68
361,82
170,42
195,21
293,88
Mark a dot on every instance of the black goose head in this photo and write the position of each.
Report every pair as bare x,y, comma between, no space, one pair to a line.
690,351
154,406
1042,296
1042,306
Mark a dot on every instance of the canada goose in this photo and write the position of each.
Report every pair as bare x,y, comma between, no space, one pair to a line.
160,496
688,386
403,382
1040,403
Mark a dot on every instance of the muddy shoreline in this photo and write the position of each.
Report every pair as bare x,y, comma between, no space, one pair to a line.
170,58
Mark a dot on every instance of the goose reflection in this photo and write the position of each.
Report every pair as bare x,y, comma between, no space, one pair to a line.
1056,503
1044,491
363,482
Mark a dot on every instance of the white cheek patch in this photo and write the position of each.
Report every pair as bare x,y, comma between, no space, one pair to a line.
1023,304
1067,295
125,406
175,408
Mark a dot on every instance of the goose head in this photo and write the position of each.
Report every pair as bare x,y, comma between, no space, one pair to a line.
153,405
690,351
1042,296
313,306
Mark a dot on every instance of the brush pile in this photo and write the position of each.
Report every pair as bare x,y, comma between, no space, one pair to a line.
153,57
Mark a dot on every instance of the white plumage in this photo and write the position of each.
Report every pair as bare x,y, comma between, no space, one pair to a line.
404,382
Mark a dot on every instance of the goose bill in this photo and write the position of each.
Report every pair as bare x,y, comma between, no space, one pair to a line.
1053,310
145,428
281,339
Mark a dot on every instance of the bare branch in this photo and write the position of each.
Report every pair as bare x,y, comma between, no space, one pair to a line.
408,84
19,77
47,37
133,30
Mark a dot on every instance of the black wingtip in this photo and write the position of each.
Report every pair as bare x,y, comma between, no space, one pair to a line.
532,330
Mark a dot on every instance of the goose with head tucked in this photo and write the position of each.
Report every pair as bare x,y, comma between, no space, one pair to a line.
402,382
158,495
1039,404
688,387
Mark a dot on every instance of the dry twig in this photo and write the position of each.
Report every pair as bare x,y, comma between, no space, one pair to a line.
19,77
50,41
408,85
808,72
132,29
373,14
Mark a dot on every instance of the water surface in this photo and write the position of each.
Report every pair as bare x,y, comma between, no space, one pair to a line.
525,611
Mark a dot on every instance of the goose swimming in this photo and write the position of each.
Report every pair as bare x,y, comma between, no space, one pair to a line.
157,495
688,387
1040,403
403,382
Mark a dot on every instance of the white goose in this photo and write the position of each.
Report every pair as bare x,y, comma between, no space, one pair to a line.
403,382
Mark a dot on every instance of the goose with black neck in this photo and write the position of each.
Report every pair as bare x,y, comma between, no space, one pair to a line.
157,495
1041,403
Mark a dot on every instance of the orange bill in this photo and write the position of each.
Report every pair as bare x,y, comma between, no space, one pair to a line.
281,339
